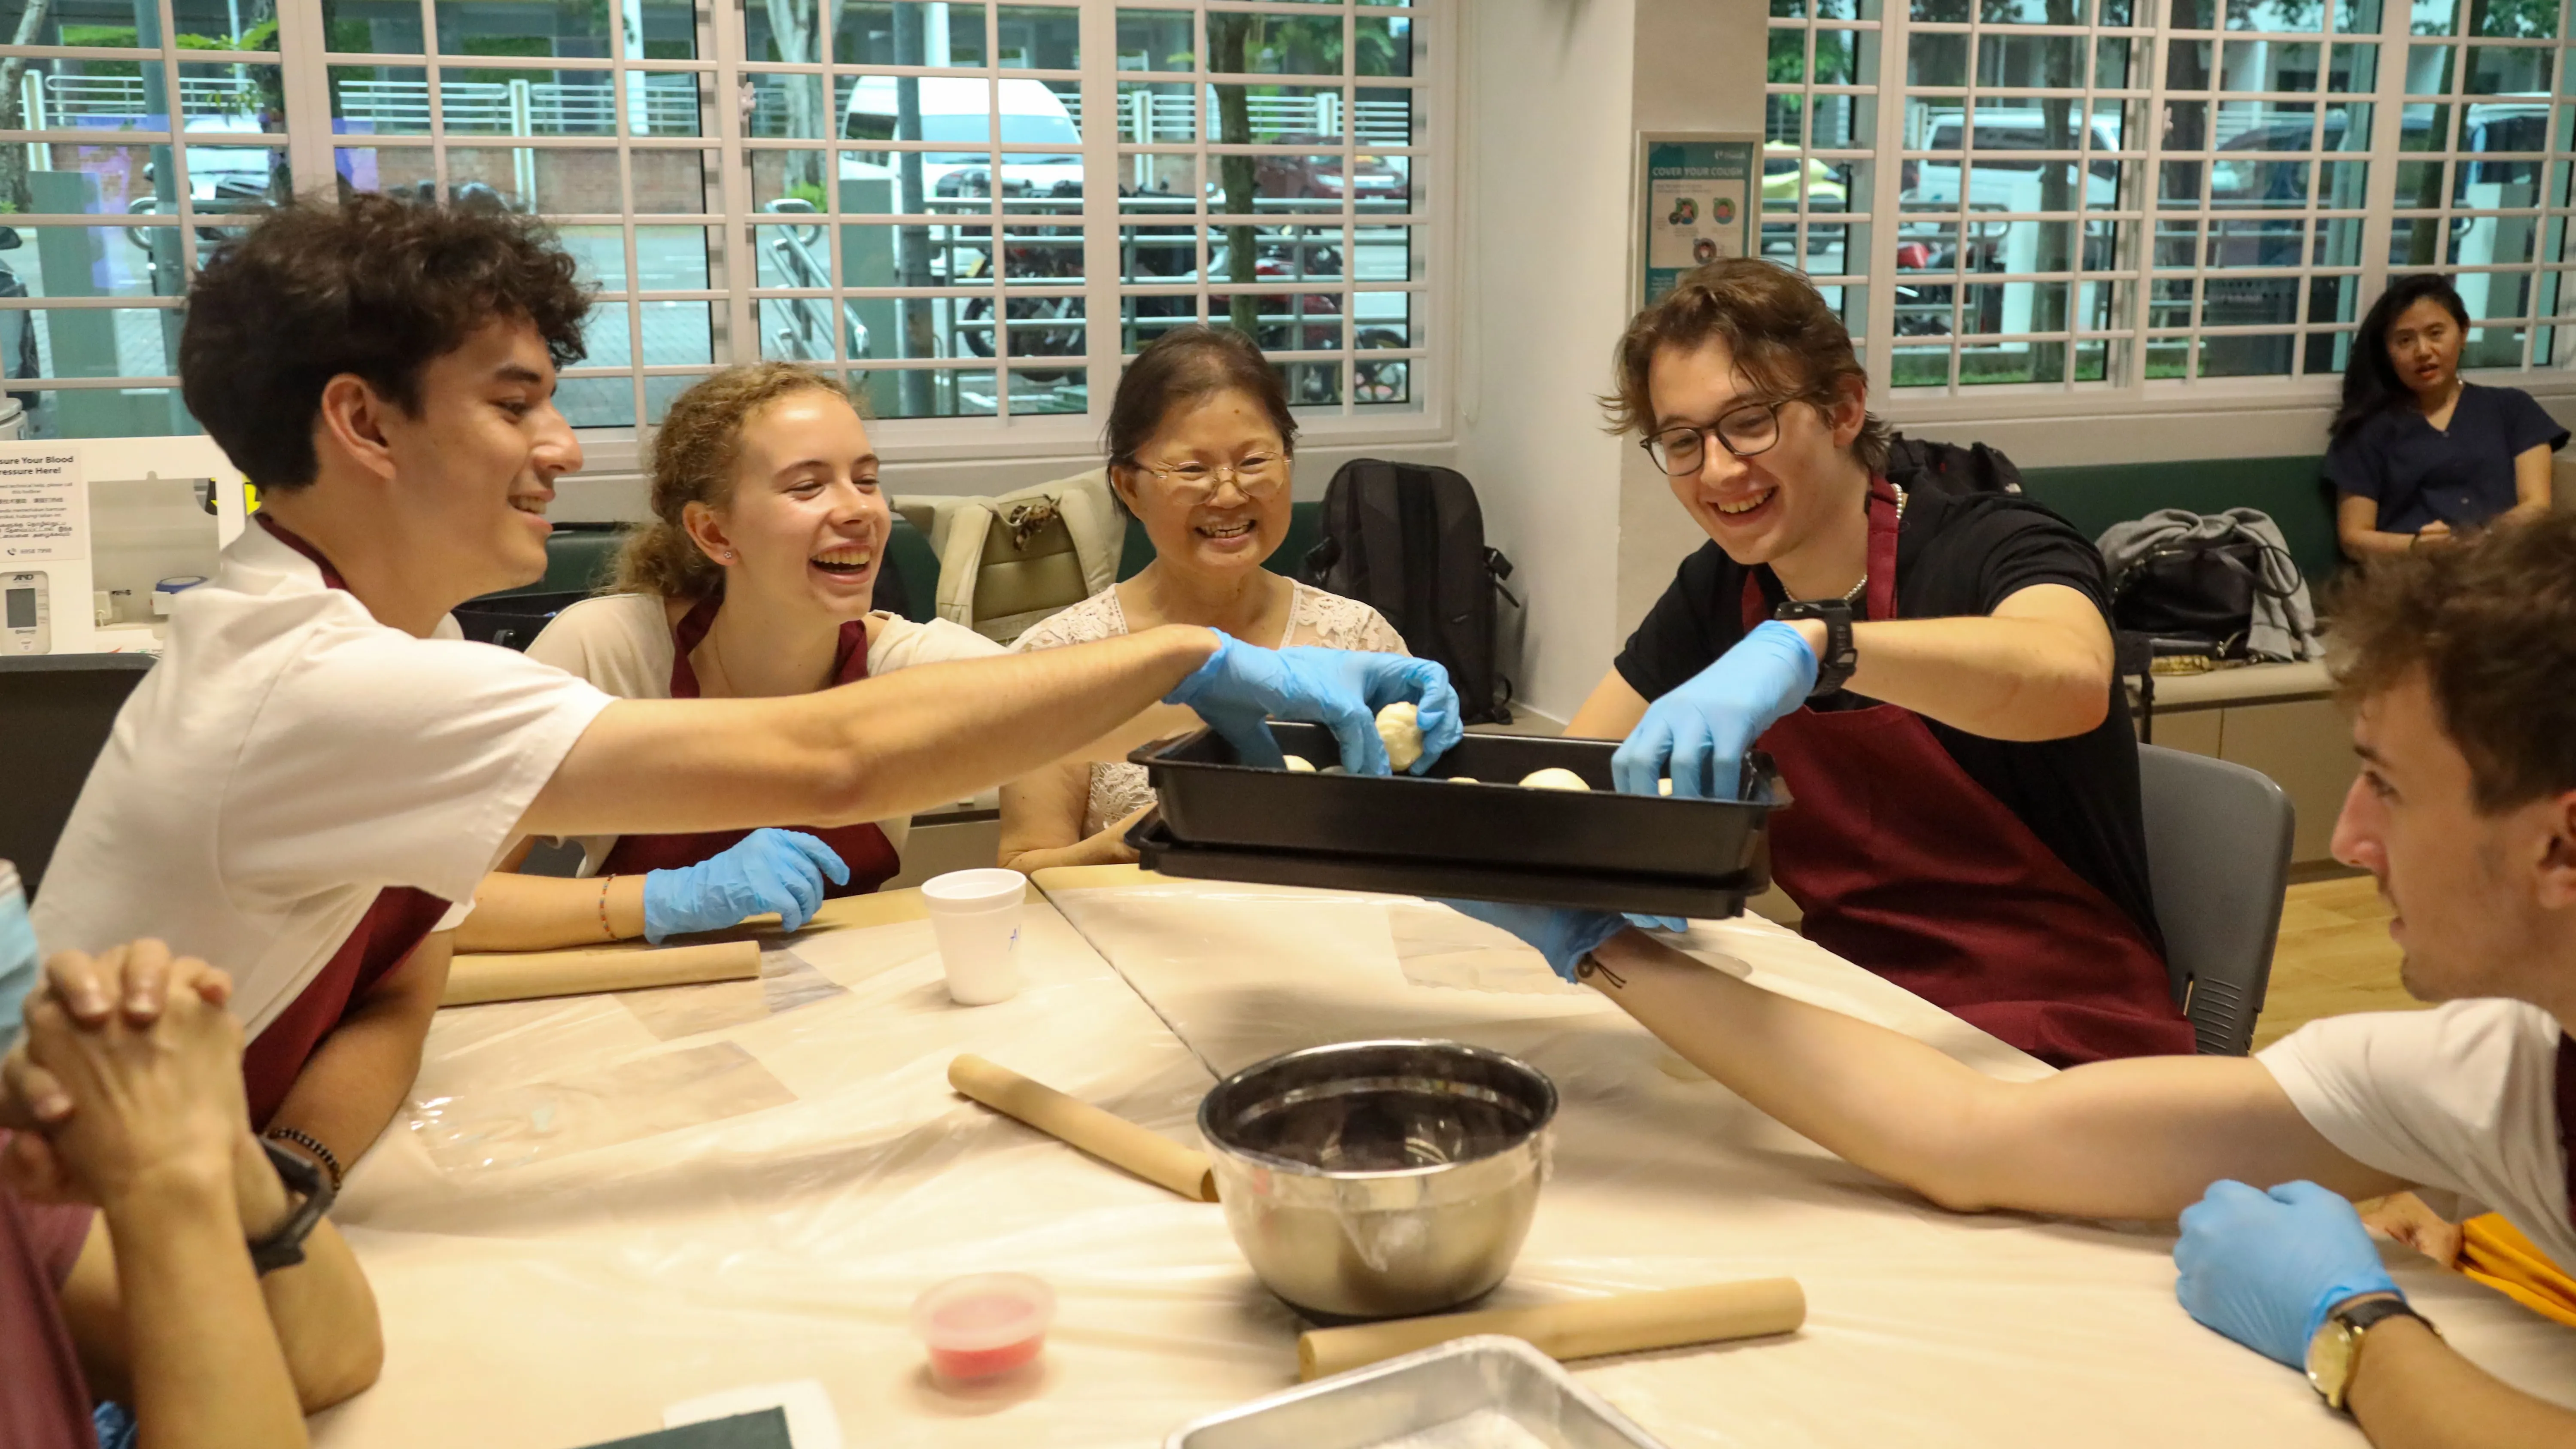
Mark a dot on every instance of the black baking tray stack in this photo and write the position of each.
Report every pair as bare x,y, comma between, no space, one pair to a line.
1428,835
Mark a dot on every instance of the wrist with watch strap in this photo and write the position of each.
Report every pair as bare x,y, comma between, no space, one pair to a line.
2334,1351
312,1175
1836,661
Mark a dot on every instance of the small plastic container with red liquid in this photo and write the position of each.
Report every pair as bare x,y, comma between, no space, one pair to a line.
982,1326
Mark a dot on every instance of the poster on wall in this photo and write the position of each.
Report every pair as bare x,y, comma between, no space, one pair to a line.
1698,195
44,550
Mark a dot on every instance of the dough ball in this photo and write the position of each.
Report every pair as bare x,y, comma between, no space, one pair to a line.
1664,786
1400,726
1300,765
1464,780
1332,770
1554,777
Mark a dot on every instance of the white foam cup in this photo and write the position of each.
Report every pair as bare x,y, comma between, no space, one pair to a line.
976,916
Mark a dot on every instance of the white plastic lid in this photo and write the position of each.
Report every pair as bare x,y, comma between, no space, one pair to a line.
976,889
983,1311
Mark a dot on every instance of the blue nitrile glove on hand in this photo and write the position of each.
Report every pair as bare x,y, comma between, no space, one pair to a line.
1561,935
767,870
1242,685
2266,1268
1698,734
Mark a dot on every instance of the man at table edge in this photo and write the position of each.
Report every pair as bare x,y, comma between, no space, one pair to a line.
2457,664
320,764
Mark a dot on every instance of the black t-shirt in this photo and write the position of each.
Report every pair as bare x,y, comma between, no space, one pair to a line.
1956,555
2461,475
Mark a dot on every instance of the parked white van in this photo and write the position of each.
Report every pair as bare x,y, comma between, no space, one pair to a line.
956,110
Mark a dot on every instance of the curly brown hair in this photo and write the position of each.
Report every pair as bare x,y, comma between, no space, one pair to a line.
694,454
2490,624
1783,335
369,286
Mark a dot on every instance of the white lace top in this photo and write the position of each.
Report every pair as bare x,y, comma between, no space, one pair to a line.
1314,617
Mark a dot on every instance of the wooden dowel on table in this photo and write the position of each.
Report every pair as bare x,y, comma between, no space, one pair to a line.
1111,1138
519,976
1581,1328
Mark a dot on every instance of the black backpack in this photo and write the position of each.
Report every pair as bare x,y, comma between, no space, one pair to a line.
1409,541
1914,463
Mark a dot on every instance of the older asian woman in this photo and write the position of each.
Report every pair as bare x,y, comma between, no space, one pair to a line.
1200,438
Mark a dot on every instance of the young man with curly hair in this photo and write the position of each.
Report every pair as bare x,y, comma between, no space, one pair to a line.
308,788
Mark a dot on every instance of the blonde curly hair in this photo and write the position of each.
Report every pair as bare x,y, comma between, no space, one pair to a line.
694,454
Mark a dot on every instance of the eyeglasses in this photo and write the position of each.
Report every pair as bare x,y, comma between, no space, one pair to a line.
1744,431
1258,476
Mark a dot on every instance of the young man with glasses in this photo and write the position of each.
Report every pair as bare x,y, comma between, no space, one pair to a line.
1930,669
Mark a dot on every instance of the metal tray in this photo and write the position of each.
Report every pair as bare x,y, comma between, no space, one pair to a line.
1654,895
1486,1392
1209,799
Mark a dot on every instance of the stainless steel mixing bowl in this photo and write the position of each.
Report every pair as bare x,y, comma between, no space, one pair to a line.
1380,1179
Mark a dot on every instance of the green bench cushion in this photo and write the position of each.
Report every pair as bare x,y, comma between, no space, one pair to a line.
2095,496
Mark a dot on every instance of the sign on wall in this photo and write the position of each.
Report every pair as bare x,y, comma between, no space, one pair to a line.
1698,192
44,550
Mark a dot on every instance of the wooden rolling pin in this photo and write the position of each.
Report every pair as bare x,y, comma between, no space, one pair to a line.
518,976
1112,1139
1582,1328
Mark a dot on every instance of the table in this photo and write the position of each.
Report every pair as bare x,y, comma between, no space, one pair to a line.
604,1205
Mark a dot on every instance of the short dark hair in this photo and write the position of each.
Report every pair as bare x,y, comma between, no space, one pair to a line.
1784,336
2370,382
371,286
1189,365
2490,621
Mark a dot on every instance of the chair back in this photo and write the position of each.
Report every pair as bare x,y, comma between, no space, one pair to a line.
1009,562
60,709
2218,859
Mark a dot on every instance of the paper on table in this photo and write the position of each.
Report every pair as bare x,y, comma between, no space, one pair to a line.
512,1126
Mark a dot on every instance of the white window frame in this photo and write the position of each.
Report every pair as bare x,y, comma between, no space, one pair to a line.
2128,392
309,145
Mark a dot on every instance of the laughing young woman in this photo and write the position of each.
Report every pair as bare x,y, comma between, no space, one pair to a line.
753,581
1200,438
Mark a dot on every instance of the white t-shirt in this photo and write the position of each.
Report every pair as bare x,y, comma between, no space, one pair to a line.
2461,1098
622,644
288,759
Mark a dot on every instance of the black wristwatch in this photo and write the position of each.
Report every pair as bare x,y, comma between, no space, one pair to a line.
1835,664
284,1245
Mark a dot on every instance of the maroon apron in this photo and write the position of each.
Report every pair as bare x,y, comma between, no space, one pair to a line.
863,847
395,924
1909,867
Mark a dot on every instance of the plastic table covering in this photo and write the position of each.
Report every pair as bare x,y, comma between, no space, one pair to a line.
603,1205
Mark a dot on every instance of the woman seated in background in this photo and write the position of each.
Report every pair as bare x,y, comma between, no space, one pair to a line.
1200,439
753,580
2417,452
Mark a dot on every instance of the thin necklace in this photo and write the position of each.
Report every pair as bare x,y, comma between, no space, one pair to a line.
1854,591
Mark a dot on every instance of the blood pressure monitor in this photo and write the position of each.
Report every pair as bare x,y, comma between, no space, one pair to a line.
26,615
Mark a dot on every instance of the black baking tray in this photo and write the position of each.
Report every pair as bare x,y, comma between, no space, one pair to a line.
1655,895
1425,835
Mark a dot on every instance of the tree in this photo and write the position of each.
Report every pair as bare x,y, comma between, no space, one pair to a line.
13,158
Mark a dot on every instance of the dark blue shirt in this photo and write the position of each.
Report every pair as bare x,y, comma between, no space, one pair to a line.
2461,475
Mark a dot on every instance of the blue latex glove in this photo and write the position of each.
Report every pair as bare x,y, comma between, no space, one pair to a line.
767,870
1242,685
1698,733
1563,936
2266,1268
